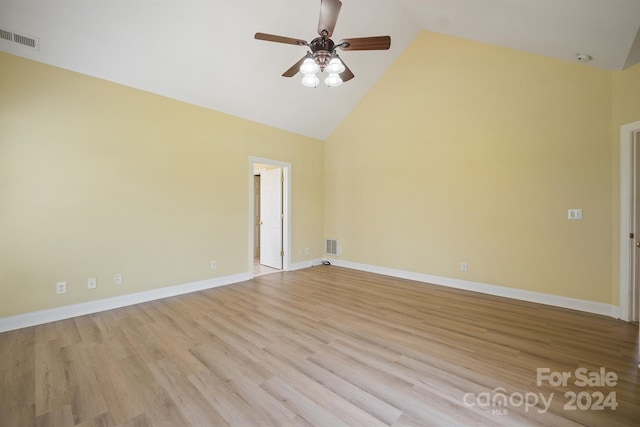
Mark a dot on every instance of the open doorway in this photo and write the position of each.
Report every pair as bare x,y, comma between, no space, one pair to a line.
270,206
630,222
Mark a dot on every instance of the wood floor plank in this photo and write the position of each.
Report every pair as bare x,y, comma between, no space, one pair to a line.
281,359
84,391
18,350
192,405
60,416
17,378
53,390
223,398
300,404
315,347
123,402
295,371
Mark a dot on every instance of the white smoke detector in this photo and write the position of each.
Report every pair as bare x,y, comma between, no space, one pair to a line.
583,57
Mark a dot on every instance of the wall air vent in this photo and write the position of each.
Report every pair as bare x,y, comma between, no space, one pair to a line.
6,35
331,247
21,39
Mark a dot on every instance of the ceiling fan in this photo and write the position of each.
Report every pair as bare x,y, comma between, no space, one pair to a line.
323,56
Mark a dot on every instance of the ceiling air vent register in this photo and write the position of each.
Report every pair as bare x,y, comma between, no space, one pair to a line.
21,39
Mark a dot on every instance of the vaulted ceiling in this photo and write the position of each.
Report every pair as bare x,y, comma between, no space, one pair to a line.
203,51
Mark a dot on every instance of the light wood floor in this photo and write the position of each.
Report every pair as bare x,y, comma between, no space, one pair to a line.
324,346
261,270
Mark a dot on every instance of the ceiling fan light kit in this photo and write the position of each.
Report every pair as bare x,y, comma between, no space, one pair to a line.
333,80
335,66
322,55
310,80
309,66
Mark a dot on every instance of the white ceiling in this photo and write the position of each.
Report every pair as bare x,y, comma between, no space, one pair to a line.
203,51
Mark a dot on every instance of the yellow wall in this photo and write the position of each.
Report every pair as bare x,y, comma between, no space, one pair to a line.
465,151
626,96
461,152
98,178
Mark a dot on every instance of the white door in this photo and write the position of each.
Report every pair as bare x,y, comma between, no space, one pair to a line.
634,309
635,265
630,221
271,218
256,216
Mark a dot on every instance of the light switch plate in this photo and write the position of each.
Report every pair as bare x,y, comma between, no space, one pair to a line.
61,287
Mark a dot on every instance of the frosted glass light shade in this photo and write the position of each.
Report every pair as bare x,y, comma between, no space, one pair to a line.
333,80
310,80
335,66
309,66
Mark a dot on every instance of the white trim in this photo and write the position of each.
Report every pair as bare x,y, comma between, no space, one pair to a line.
66,312
626,217
484,288
615,312
286,194
90,307
306,264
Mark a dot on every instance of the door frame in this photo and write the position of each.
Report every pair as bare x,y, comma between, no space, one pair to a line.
628,168
286,205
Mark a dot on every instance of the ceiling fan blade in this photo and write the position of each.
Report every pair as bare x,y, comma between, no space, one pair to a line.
346,75
294,68
367,43
329,11
280,39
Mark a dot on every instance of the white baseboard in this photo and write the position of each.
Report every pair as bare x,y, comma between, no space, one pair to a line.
59,313
69,311
616,312
501,291
305,264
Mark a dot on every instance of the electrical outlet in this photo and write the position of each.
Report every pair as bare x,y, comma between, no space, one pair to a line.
574,214
61,287
307,251
214,265
464,266
117,279
92,282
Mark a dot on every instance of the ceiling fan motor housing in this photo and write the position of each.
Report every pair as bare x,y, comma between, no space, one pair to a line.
322,50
